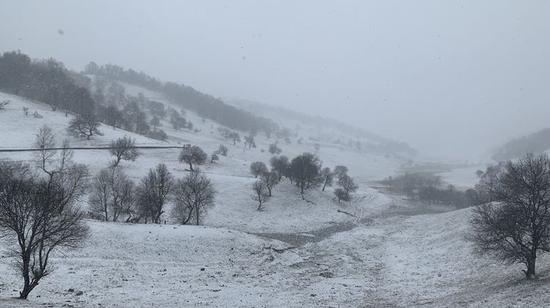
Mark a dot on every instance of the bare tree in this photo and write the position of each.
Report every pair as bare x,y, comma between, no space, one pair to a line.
260,193
192,154
123,149
84,126
40,216
153,192
100,195
328,177
122,195
270,179
258,168
112,194
45,140
193,195
516,227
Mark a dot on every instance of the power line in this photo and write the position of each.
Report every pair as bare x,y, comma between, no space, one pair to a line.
142,147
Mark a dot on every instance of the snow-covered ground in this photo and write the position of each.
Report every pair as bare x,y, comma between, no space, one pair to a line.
383,255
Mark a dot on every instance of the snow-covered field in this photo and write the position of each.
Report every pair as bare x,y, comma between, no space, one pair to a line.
383,255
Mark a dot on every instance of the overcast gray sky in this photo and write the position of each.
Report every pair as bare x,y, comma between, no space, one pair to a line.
449,77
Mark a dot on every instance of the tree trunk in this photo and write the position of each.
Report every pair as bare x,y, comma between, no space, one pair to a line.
191,167
530,273
324,185
197,214
26,279
105,211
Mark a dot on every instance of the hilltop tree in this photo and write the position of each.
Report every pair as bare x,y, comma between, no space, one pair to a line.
123,149
192,154
516,228
258,168
193,195
305,171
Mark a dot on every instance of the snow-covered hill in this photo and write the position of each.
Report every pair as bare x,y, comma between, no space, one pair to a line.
292,254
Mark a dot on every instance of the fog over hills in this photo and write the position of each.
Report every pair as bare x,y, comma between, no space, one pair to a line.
421,72
245,153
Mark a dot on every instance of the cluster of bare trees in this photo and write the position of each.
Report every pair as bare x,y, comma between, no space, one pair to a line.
114,194
515,226
305,171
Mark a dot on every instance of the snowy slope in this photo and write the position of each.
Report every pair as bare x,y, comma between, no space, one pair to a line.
234,206
383,256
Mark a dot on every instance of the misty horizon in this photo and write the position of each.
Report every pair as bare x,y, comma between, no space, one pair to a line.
421,72
313,153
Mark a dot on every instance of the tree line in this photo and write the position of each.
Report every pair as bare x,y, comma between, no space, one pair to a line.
47,81
204,105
